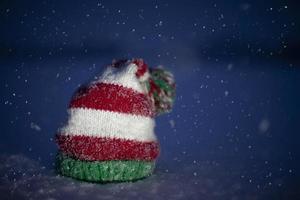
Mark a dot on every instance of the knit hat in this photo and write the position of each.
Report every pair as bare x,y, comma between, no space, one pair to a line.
109,135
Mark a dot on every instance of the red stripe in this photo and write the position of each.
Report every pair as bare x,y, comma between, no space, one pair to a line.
96,148
110,97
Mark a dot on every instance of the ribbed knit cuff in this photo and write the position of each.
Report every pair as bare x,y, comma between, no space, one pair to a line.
104,171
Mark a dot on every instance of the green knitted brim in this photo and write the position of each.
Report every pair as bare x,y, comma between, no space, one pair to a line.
103,171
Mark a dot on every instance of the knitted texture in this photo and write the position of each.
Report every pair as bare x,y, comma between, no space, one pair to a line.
162,89
109,135
107,148
104,171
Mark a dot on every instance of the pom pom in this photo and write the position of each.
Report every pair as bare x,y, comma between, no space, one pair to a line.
157,82
161,87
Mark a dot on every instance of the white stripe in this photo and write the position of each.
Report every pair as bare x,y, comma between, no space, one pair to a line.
124,76
101,123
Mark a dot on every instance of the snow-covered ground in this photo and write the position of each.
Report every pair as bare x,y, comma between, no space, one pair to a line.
25,178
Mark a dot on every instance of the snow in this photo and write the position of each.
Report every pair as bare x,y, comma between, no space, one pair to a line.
26,178
264,125
234,130
35,126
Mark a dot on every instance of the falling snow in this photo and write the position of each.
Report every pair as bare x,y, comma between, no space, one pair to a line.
35,126
264,125
233,133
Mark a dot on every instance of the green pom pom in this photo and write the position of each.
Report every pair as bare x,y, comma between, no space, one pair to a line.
161,87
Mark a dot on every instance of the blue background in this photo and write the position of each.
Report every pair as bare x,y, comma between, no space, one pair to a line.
234,129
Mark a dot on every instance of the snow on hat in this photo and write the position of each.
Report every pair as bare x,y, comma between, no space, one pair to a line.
109,135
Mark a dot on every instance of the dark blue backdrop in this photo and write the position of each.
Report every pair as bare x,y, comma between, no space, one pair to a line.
234,130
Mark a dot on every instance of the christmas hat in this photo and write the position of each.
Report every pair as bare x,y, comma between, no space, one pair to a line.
109,135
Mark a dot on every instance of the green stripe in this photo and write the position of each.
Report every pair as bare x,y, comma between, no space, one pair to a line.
103,171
